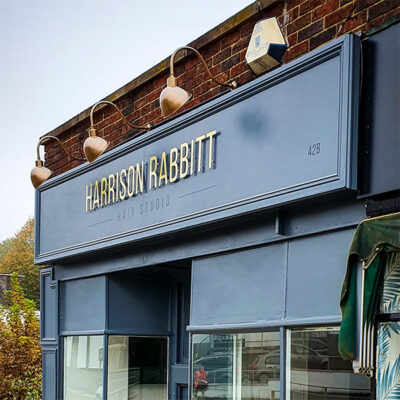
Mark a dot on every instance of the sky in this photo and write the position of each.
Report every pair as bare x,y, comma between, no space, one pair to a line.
59,57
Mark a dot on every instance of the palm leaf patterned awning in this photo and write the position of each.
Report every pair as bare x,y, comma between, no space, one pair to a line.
376,243
388,349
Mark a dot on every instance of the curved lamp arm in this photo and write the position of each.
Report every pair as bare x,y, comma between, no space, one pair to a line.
44,138
231,85
147,127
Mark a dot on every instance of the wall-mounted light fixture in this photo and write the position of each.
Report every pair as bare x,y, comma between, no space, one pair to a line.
40,173
173,97
93,146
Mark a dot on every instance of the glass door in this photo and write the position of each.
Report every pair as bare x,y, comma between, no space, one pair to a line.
137,368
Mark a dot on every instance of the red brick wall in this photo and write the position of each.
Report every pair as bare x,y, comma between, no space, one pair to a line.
307,24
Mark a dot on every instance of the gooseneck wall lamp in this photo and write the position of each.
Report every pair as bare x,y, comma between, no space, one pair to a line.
40,173
93,146
173,97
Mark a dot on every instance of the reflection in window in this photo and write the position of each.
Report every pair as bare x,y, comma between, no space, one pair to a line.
137,368
83,367
315,370
240,366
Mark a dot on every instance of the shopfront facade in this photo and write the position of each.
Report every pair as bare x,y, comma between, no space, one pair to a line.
206,258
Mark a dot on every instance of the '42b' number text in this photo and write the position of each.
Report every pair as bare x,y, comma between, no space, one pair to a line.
314,149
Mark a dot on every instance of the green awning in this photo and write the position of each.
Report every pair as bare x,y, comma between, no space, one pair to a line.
374,239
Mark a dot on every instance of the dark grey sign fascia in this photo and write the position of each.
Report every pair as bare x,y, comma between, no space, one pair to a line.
264,158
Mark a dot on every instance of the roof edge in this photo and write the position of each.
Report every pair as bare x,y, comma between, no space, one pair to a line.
213,34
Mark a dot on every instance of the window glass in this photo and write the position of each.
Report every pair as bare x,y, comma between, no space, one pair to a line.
83,367
236,366
315,370
137,368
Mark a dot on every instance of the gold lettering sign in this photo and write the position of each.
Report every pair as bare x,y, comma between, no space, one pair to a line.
177,163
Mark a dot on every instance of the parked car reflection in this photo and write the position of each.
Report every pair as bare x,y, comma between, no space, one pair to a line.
266,366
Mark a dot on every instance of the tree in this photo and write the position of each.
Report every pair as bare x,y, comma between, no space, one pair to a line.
19,258
20,352
5,246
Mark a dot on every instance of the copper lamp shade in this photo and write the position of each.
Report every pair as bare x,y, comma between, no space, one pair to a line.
39,174
172,97
94,146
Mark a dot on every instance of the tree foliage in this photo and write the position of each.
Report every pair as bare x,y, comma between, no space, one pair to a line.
5,246
16,255
20,352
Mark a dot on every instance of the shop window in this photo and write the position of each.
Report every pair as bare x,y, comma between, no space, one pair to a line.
83,367
236,366
315,370
137,368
